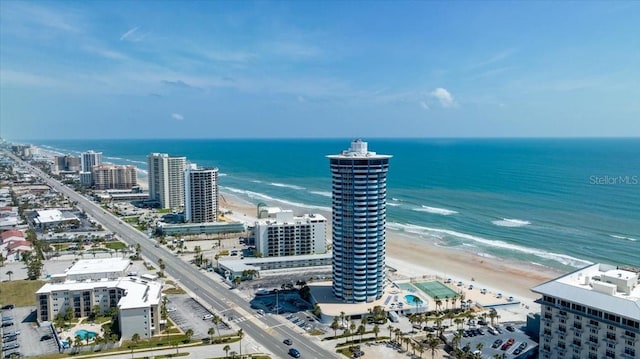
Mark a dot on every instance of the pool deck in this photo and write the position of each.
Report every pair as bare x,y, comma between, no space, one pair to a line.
91,327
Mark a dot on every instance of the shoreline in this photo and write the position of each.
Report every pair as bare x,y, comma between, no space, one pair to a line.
414,257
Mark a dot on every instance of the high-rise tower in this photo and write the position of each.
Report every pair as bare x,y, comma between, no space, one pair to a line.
166,179
87,161
201,194
359,191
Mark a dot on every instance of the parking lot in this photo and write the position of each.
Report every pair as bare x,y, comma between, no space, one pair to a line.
28,341
187,314
493,344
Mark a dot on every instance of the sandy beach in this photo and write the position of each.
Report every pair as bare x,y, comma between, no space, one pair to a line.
416,257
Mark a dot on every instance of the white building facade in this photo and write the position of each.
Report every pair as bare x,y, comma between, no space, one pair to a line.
166,179
114,177
359,193
592,313
201,194
87,161
287,235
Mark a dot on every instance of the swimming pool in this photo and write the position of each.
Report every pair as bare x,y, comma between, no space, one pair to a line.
412,299
84,334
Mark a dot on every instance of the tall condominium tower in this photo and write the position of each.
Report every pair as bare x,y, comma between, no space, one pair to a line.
89,159
166,179
201,194
359,191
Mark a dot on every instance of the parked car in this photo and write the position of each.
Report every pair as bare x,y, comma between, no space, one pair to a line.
7,307
207,317
46,337
507,344
496,343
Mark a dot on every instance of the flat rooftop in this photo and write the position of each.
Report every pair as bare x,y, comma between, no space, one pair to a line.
102,265
600,286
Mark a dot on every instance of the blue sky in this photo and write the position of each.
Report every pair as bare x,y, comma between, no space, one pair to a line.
210,69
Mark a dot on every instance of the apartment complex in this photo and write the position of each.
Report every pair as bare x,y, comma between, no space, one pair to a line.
166,179
201,194
283,234
114,177
359,194
592,313
102,282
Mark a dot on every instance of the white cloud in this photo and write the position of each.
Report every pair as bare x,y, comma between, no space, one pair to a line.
133,35
444,96
424,105
177,116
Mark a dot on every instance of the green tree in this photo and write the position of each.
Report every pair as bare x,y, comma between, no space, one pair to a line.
135,339
226,350
188,334
77,343
240,335
9,273
211,332
335,326
376,330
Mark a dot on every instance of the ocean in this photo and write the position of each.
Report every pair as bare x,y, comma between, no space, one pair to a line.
561,203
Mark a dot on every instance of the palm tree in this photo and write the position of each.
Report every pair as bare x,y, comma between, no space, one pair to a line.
189,334
420,349
432,344
216,320
335,325
407,341
211,332
390,327
492,315
226,350
342,318
240,334
77,343
361,331
135,338
352,329
376,330
9,273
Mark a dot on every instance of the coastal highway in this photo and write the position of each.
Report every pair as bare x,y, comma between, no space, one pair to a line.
267,330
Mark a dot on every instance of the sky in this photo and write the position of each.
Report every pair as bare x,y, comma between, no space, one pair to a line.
318,69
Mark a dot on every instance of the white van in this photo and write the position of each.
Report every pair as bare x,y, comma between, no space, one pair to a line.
492,330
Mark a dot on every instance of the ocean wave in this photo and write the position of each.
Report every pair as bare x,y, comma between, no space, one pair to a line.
284,185
623,237
264,197
560,258
396,199
322,193
506,222
222,174
256,181
393,204
435,210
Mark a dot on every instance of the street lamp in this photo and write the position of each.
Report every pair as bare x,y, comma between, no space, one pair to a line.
277,305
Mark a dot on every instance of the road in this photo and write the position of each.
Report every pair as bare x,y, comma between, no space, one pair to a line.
266,330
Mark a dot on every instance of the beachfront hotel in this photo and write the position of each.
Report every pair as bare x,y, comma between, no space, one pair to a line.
166,179
103,283
200,194
359,190
87,161
283,234
592,313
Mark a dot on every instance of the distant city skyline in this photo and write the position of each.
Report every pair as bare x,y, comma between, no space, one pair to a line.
318,69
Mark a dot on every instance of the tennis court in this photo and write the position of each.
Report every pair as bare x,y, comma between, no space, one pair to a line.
436,289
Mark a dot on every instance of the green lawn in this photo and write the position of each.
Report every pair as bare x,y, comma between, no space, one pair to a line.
115,245
20,293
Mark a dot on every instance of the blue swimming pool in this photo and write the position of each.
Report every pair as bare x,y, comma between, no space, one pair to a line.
84,334
412,299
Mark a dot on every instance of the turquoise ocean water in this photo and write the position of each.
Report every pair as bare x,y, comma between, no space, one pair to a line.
561,203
